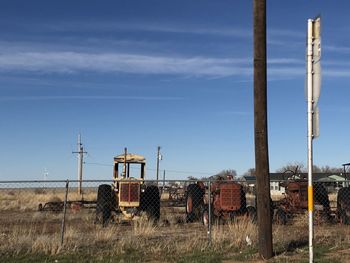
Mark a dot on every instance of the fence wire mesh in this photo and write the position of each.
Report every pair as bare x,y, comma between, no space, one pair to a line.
186,212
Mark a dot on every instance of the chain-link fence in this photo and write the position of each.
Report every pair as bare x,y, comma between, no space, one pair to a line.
46,216
330,215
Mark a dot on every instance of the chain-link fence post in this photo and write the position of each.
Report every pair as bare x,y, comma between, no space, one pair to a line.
209,212
64,213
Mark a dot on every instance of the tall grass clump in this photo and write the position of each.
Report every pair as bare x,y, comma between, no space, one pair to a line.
238,234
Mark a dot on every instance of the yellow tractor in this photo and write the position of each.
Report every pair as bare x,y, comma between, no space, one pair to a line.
128,197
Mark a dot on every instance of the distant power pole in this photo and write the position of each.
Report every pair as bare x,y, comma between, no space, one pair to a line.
260,127
159,157
46,174
80,153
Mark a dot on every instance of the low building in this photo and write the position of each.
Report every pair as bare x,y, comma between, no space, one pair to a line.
331,180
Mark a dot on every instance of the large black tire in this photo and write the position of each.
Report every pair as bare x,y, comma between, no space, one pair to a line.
194,202
150,202
344,219
205,216
252,214
243,208
281,217
321,198
104,205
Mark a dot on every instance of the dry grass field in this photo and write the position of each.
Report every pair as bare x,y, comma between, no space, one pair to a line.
29,199
27,235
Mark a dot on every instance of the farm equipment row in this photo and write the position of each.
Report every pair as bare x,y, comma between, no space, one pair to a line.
129,197
228,201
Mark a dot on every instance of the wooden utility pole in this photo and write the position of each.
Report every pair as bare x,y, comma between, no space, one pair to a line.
260,128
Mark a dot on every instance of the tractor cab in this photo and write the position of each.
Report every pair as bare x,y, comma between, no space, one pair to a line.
123,163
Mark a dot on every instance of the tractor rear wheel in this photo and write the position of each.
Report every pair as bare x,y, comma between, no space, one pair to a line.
205,216
194,201
281,217
251,213
344,219
104,203
233,216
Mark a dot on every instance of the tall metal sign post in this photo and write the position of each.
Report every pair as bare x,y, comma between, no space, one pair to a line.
313,93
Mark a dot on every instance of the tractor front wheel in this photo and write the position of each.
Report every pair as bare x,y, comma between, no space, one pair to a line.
252,214
205,216
344,219
194,202
152,202
104,204
281,217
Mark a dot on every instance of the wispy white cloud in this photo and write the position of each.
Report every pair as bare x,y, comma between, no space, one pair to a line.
335,63
73,62
343,73
36,98
293,72
286,61
232,31
286,71
129,36
228,32
76,26
70,62
286,33
51,59
337,49
176,28
336,108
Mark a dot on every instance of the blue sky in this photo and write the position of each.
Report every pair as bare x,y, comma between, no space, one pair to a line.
178,74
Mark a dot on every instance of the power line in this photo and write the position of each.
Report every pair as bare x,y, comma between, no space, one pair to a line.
99,164
150,169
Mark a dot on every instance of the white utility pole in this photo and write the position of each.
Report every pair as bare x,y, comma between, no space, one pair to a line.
80,153
46,174
159,157
313,92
